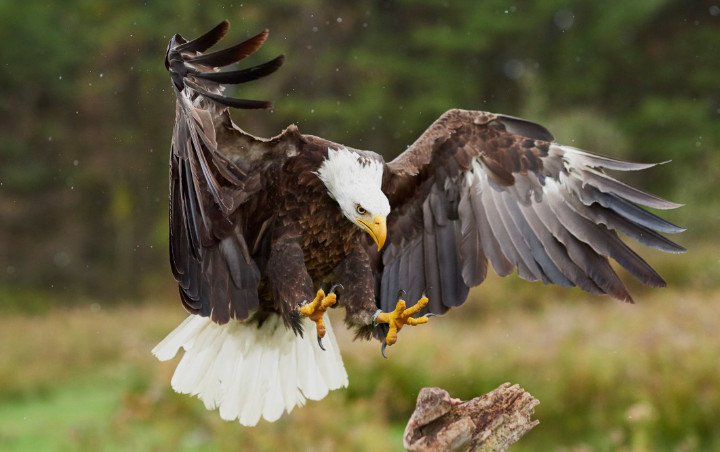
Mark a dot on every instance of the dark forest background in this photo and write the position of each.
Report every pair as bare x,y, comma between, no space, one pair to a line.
87,110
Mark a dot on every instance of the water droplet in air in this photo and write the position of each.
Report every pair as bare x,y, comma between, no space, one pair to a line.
564,19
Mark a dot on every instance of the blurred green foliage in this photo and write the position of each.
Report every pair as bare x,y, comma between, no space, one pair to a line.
87,109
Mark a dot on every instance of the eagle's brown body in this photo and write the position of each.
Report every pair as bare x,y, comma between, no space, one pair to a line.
304,242
303,205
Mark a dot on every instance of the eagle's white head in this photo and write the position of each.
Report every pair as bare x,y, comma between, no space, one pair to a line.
354,181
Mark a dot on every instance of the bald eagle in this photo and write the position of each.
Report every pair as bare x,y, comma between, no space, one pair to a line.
260,228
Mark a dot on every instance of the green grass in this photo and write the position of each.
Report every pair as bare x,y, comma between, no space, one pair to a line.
609,376
63,415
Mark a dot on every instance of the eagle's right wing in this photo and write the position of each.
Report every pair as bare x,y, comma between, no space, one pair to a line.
208,253
479,187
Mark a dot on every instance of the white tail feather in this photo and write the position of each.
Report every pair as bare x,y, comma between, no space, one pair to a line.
249,372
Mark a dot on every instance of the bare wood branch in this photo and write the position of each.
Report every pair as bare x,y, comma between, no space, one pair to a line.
491,422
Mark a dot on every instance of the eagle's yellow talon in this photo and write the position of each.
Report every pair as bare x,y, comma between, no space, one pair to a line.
401,317
315,310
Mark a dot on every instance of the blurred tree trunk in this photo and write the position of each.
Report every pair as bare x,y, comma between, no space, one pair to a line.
492,422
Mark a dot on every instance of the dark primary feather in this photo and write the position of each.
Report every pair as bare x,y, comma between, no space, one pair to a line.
205,41
497,188
232,54
242,75
229,101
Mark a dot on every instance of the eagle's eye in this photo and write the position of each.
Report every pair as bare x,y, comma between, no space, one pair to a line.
360,210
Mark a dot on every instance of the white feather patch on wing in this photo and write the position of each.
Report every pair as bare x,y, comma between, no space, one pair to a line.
249,372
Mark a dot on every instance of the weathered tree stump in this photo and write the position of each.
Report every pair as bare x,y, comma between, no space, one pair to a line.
487,423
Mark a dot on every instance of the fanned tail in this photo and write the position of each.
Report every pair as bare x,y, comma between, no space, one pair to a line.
250,372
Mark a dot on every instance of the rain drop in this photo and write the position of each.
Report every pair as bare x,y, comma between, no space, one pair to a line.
61,259
564,19
514,69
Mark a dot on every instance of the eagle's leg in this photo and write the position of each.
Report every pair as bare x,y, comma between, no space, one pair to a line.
316,309
400,317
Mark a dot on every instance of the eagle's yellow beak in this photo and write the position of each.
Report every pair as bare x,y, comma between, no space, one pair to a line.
377,230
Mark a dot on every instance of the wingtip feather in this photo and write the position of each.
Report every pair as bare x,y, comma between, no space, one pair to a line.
231,54
207,40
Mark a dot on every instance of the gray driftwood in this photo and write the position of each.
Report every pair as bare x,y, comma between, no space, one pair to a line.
487,423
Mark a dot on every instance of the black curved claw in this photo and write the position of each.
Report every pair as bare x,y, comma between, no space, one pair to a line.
382,350
401,294
332,289
320,343
375,316
430,314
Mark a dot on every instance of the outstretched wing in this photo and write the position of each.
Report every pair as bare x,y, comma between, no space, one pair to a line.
479,187
208,253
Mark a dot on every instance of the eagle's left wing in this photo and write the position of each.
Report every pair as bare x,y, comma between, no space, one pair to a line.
479,187
208,252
